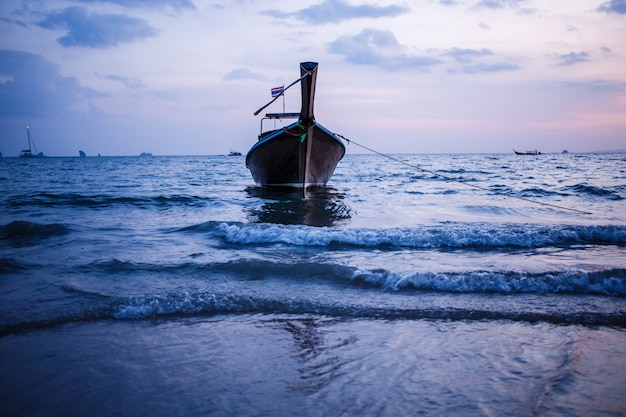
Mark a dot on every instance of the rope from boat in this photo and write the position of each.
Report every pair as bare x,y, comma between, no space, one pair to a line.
528,200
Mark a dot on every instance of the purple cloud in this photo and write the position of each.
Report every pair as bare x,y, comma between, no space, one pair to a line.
96,30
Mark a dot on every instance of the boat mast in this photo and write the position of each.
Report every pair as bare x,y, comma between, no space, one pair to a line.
27,149
31,142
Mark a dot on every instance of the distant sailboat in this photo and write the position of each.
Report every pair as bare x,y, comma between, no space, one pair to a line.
30,145
82,154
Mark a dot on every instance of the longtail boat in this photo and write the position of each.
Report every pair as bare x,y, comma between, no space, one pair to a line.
535,152
302,154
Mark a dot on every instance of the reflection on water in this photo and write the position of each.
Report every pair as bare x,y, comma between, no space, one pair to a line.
319,364
321,207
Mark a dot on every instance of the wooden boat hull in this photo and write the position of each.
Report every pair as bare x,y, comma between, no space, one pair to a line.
527,152
303,154
284,158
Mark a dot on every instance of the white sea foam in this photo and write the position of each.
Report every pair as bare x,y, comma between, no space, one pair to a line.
578,281
475,235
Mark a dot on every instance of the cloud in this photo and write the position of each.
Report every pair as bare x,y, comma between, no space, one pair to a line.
467,55
35,88
243,74
491,67
20,14
613,6
130,82
335,11
379,48
488,61
572,58
505,4
96,30
13,22
148,4
499,4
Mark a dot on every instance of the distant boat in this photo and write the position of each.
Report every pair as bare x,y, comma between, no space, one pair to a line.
145,154
234,153
30,145
82,154
535,152
302,154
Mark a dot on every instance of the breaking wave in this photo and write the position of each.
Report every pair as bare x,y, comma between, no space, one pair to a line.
573,281
259,286
450,236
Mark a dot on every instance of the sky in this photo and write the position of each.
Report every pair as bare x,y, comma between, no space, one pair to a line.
184,77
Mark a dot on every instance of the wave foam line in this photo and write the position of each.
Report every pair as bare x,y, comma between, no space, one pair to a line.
610,283
425,237
187,305
184,304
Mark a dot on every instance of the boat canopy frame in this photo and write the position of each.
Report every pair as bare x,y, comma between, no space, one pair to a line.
277,116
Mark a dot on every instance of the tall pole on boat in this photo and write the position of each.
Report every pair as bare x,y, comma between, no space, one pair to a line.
307,118
308,92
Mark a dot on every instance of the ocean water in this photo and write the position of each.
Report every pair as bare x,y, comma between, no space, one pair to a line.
458,285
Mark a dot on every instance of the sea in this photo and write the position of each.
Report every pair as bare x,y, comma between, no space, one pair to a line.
412,285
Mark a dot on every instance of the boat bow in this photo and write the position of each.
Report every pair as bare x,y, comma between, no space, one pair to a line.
302,154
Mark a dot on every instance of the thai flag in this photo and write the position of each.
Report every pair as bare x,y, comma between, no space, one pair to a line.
278,91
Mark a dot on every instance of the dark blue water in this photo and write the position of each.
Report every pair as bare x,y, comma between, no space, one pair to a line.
426,285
